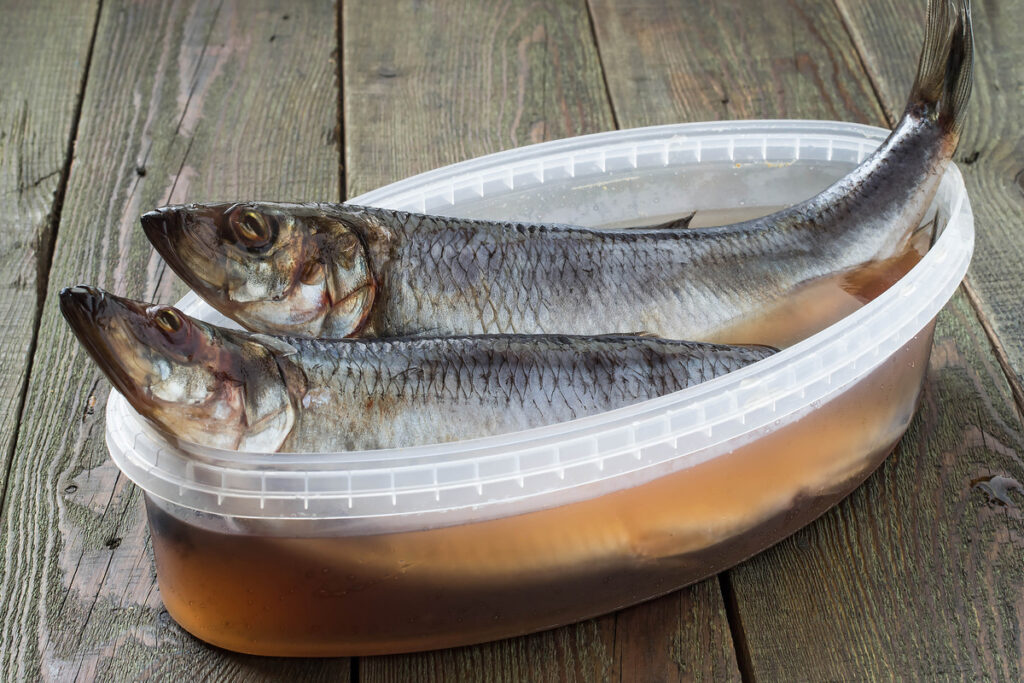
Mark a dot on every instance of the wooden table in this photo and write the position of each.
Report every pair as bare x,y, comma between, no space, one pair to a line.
111,107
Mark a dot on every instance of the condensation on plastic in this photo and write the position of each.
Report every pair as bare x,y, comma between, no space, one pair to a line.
607,178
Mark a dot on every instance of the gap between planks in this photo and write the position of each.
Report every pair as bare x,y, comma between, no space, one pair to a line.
45,256
339,75
744,662
998,349
600,64
729,597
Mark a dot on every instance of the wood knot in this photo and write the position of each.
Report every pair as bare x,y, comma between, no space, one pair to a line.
113,543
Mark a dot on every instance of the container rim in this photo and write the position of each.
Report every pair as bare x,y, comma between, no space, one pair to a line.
706,420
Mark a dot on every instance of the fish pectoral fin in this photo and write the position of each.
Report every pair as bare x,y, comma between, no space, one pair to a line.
267,435
868,281
925,234
275,343
295,380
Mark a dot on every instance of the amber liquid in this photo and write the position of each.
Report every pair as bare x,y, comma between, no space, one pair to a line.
298,589
308,594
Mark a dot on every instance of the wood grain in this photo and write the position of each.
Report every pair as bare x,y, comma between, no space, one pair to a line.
683,636
919,571
184,100
698,61
41,74
991,153
428,84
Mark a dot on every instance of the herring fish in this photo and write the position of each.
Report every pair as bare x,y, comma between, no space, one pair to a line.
335,270
238,390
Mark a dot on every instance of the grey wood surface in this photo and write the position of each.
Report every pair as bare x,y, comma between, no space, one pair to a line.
991,154
184,99
733,59
46,49
918,573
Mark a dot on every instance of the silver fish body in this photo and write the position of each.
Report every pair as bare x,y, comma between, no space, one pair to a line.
430,390
238,390
399,273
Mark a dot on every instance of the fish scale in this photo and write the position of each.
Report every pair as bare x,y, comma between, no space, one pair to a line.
414,274
479,384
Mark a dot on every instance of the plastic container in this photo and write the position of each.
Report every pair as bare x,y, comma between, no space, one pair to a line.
436,546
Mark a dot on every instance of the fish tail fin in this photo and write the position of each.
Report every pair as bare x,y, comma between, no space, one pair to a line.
945,69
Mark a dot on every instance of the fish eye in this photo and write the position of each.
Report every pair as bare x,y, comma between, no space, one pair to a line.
168,320
253,229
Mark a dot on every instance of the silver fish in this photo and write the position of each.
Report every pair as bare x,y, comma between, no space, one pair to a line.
238,390
335,270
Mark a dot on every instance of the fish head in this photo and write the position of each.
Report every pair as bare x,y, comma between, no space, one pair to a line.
288,269
198,382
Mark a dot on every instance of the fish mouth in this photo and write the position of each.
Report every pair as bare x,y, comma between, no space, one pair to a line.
162,226
176,230
90,313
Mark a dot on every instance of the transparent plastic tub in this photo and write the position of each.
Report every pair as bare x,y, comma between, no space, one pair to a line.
444,545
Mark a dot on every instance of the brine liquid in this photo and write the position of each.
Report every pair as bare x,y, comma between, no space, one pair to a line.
306,593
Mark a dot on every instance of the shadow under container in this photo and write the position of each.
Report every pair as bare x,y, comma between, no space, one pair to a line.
436,546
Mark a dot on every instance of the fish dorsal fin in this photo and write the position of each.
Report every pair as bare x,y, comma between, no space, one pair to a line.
614,336
675,224
867,282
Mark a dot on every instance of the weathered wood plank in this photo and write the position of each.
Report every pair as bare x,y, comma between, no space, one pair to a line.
678,637
429,84
918,572
185,99
725,60
573,653
801,613
991,151
735,59
449,81
41,75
